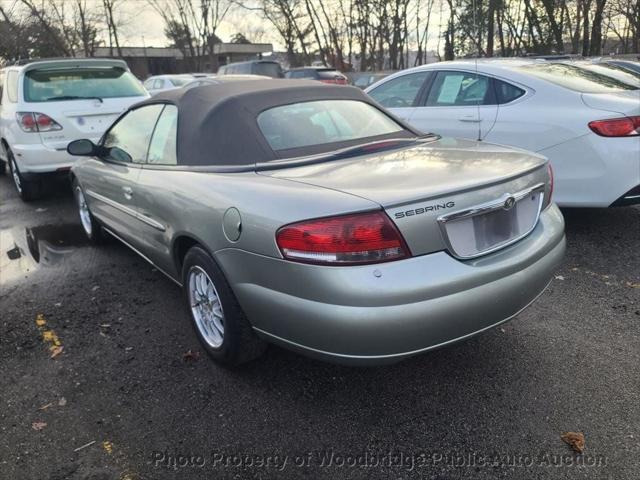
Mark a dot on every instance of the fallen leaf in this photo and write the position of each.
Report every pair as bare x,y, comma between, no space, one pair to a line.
62,402
190,355
575,440
38,425
55,351
44,407
108,446
559,277
59,304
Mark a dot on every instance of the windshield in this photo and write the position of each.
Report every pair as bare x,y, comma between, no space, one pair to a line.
180,81
323,122
268,69
577,78
78,83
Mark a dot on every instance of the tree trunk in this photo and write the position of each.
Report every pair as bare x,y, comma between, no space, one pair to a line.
586,6
596,30
490,27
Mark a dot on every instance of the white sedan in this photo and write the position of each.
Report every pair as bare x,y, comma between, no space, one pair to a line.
587,123
160,83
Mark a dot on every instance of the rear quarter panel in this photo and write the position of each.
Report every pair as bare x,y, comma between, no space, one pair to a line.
193,204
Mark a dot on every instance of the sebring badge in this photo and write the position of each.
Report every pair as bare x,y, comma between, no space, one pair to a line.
509,203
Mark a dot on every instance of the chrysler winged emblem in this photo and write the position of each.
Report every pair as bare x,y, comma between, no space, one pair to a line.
509,203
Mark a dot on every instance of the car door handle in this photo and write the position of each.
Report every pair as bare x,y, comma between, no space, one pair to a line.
128,192
470,119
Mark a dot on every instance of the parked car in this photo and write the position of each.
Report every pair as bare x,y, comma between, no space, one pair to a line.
628,65
364,79
307,216
215,80
45,104
322,74
610,70
585,122
160,83
267,68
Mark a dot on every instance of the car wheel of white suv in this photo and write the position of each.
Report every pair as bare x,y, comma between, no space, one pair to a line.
27,189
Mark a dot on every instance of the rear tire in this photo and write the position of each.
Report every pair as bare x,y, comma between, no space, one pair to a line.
92,227
218,320
27,190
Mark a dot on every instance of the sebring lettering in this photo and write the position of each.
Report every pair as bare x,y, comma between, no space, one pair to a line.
428,208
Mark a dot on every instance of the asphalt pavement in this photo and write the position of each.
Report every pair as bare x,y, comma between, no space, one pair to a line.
102,377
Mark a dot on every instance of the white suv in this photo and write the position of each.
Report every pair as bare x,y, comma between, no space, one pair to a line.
45,104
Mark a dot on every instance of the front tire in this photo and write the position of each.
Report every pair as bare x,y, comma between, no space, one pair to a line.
219,322
27,190
90,225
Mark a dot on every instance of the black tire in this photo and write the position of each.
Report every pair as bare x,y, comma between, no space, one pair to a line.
3,167
93,230
239,342
27,190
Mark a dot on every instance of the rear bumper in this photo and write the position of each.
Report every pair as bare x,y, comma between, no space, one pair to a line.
36,158
594,171
632,197
383,313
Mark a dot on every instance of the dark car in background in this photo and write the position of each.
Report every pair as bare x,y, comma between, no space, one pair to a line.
322,74
364,79
267,68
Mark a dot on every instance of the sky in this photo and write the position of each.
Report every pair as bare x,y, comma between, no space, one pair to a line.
140,21
141,25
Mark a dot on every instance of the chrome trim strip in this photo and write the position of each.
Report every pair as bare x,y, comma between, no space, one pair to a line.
486,208
117,237
129,211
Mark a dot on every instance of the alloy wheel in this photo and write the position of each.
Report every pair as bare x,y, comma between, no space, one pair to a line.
83,210
16,175
205,306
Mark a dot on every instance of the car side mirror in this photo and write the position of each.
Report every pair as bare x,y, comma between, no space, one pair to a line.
82,148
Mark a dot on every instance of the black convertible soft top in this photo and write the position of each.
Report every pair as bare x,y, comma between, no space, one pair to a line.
217,124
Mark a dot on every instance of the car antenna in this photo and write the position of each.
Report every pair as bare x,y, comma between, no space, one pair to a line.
475,26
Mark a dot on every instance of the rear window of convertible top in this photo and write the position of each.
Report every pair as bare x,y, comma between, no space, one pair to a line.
323,122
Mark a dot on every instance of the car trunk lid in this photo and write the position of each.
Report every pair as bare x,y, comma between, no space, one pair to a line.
626,102
417,186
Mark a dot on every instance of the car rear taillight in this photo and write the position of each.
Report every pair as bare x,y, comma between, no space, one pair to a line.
617,127
343,240
36,122
549,198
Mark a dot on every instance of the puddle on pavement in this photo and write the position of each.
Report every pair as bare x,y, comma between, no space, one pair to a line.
25,250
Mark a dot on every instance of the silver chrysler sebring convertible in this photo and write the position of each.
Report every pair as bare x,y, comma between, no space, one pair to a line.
308,216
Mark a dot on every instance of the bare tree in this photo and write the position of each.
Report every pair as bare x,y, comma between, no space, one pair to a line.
192,26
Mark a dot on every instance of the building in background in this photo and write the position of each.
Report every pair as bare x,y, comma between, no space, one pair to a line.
147,61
